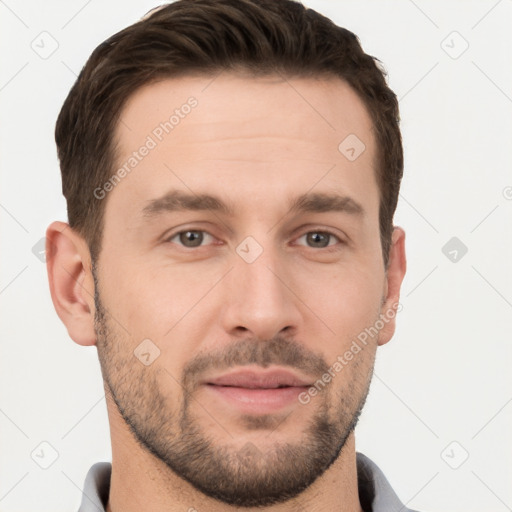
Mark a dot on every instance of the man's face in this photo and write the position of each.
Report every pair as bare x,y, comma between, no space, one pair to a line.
256,286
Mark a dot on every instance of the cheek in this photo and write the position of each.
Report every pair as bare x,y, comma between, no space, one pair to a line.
158,301
146,311
346,300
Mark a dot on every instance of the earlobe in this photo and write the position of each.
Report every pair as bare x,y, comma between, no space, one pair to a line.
71,283
394,276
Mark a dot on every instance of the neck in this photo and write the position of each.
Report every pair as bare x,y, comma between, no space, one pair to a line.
140,481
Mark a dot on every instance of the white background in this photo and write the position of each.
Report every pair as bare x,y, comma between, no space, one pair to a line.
446,374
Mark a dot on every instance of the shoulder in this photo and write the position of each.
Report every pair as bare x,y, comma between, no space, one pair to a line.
375,491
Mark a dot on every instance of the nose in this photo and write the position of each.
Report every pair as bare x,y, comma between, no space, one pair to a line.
260,301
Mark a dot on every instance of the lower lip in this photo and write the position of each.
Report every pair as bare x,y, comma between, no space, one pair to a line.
258,401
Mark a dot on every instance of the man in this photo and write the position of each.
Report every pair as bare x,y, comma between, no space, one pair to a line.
231,170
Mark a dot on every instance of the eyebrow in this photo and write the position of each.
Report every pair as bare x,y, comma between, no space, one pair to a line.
318,202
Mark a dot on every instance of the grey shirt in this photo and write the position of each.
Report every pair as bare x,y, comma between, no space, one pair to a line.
375,492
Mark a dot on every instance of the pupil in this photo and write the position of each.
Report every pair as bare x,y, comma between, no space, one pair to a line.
318,239
191,238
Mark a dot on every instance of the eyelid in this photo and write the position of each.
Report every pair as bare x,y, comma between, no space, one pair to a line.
167,238
171,233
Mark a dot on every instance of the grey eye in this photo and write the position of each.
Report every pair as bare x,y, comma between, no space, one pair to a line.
319,239
190,238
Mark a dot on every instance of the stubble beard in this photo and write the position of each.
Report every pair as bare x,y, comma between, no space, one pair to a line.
246,476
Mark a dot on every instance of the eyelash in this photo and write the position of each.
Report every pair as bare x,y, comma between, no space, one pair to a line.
328,248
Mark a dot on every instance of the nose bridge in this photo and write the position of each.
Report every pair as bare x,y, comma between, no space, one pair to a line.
261,276
259,297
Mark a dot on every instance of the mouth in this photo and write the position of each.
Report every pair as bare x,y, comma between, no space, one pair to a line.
258,392
272,379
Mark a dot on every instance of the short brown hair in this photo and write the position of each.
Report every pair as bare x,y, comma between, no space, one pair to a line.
262,37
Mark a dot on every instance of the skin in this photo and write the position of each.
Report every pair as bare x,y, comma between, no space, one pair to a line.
257,144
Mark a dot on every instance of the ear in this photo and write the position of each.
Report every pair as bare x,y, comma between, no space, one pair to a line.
394,276
68,263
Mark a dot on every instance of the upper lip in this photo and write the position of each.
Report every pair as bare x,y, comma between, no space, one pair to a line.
268,379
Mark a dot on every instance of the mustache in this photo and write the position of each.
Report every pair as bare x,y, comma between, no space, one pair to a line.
277,351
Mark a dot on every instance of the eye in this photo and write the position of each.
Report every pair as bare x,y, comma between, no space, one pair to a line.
320,239
190,238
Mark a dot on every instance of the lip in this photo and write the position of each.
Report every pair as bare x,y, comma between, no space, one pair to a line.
252,379
257,392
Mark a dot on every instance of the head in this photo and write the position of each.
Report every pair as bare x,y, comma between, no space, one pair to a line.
231,170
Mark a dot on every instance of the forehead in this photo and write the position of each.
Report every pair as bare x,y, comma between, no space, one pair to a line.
243,136
328,105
